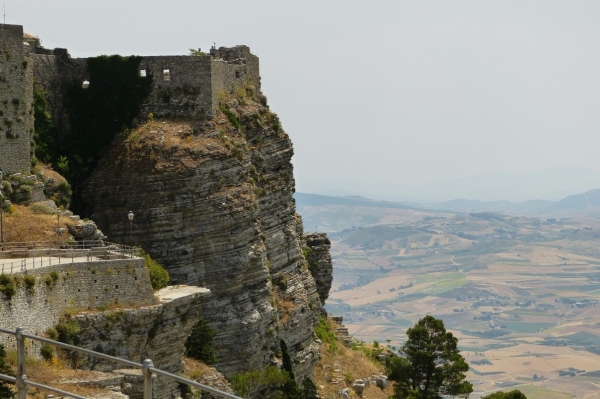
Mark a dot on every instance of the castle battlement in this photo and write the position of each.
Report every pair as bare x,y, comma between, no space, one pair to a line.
181,86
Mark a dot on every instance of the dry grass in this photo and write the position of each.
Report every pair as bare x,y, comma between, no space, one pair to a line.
22,225
55,374
340,364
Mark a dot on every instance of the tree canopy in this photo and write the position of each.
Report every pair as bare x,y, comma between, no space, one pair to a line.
429,364
514,394
5,391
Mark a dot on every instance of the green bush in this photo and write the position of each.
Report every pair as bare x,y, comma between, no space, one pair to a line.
231,116
514,394
48,351
7,286
23,194
324,333
5,391
41,209
29,283
159,277
54,276
68,331
199,343
255,382
52,333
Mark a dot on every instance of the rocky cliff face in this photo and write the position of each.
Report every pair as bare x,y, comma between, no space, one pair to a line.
156,332
213,203
319,262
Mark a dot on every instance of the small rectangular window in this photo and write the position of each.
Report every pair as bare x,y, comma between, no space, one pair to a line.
237,74
166,74
143,73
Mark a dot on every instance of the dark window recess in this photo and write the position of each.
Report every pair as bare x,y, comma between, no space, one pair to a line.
237,74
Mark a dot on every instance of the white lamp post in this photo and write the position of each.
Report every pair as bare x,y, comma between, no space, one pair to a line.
1,221
130,217
58,229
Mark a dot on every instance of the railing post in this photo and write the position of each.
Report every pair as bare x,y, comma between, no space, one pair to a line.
21,377
147,378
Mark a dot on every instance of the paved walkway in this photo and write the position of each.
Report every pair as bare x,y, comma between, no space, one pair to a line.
17,265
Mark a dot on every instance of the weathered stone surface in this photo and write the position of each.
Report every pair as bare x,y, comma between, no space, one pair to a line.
382,381
215,208
156,332
319,262
214,379
86,231
358,386
84,285
16,98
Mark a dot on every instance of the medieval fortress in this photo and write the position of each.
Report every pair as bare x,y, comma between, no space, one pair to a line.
182,86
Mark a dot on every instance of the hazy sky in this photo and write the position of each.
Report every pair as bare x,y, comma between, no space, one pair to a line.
389,99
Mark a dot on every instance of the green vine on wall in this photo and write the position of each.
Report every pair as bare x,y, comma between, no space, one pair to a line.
97,114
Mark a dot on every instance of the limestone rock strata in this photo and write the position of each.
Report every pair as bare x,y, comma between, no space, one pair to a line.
213,204
319,262
156,332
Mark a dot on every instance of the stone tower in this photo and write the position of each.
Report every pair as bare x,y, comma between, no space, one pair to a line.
16,101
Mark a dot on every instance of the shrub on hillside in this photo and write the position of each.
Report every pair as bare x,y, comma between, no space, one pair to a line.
5,391
41,209
159,277
7,286
514,394
199,343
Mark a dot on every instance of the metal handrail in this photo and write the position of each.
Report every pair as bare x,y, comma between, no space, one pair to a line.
76,250
147,368
80,244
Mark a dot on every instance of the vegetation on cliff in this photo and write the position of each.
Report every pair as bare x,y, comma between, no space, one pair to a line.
514,394
5,390
199,344
430,365
159,277
97,114
44,137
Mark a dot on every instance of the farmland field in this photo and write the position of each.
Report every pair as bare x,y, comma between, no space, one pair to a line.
521,294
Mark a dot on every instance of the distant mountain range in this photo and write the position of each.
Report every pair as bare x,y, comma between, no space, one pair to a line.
588,202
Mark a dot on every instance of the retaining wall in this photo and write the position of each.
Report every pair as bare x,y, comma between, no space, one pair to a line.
80,286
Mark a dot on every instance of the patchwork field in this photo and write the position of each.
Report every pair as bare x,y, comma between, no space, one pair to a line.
521,294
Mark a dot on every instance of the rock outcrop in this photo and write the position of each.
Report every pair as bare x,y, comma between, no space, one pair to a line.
157,332
319,262
213,203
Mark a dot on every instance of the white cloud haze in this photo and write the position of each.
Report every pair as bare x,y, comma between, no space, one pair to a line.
389,98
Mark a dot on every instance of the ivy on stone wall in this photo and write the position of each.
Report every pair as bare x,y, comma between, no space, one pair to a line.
45,144
98,113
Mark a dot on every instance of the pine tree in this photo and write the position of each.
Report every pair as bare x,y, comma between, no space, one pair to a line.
430,365
5,391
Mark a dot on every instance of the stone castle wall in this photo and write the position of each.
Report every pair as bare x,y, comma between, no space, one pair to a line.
232,68
184,92
54,73
183,87
16,97
79,286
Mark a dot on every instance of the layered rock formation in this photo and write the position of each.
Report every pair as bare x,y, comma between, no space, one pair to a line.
319,262
213,203
156,332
